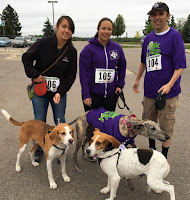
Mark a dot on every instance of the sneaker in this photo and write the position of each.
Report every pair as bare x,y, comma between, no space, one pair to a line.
93,159
38,155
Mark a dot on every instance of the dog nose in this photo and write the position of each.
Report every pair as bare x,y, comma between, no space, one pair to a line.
167,137
88,151
70,141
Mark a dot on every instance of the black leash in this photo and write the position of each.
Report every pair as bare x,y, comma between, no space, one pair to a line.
121,95
159,103
149,111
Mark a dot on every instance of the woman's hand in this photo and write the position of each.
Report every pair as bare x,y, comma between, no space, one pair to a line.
88,102
39,79
57,98
118,91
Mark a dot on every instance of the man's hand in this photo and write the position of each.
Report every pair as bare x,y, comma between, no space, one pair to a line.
136,87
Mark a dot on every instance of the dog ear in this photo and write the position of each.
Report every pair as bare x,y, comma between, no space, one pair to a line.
115,143
138,126
73,133
53,136
97,129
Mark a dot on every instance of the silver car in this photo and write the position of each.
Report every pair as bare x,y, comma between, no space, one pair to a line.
19,41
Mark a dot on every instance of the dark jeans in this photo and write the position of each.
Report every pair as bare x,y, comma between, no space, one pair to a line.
41,104
108,103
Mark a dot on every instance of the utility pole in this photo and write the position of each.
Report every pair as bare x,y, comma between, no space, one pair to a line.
3,25
53,11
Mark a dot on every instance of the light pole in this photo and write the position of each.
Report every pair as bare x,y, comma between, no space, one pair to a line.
53,11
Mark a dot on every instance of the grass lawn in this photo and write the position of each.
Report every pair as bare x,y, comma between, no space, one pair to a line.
130,45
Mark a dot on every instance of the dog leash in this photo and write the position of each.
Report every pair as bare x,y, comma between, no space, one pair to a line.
158,98
121,95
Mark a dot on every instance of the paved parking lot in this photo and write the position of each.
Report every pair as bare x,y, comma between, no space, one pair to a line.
32,183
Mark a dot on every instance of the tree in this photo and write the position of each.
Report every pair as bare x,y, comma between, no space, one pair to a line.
48,29
148,27
12,24
119,26
172,22
180,24
137,35
186,30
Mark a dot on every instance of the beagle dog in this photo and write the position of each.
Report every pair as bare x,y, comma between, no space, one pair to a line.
118,162
55,142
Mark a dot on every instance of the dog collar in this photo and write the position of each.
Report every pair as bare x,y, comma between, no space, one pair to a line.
60,148
129,124
118,152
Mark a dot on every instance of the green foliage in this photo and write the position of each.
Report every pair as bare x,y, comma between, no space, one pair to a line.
12,25
186,31
137,35
48,29
180,24
148,27
119,26
172,22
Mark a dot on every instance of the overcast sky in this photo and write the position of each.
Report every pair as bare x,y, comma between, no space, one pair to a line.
86,13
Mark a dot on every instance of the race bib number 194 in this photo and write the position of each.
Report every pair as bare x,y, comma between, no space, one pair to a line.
153,63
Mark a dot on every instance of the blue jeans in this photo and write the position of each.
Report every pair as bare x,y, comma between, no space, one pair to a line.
40,107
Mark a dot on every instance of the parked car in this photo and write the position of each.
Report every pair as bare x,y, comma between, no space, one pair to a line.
28,40
19,41
142,39
34,39
5,41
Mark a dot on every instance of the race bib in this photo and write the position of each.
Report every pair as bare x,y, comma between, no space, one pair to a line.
153,63
52,83
104,75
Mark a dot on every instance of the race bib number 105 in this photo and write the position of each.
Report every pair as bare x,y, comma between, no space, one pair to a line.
104,75
153,63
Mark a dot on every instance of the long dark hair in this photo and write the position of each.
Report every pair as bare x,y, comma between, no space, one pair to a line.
71,24
99,24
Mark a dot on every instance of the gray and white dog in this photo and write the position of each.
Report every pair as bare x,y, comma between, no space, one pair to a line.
147,128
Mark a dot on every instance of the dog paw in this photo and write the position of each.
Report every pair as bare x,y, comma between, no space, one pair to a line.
53,185
66,179
157,191
166,182
105,190
35,164
18,168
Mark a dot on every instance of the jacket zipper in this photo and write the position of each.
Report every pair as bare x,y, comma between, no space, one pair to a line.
106,68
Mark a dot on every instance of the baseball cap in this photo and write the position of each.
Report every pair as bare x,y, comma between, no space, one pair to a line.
159,6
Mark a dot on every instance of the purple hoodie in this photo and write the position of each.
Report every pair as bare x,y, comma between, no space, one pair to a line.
94,56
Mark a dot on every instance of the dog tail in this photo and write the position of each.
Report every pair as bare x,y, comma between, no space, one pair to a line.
9,118
73,121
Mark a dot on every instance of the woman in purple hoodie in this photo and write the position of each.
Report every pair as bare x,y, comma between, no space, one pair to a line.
102,69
